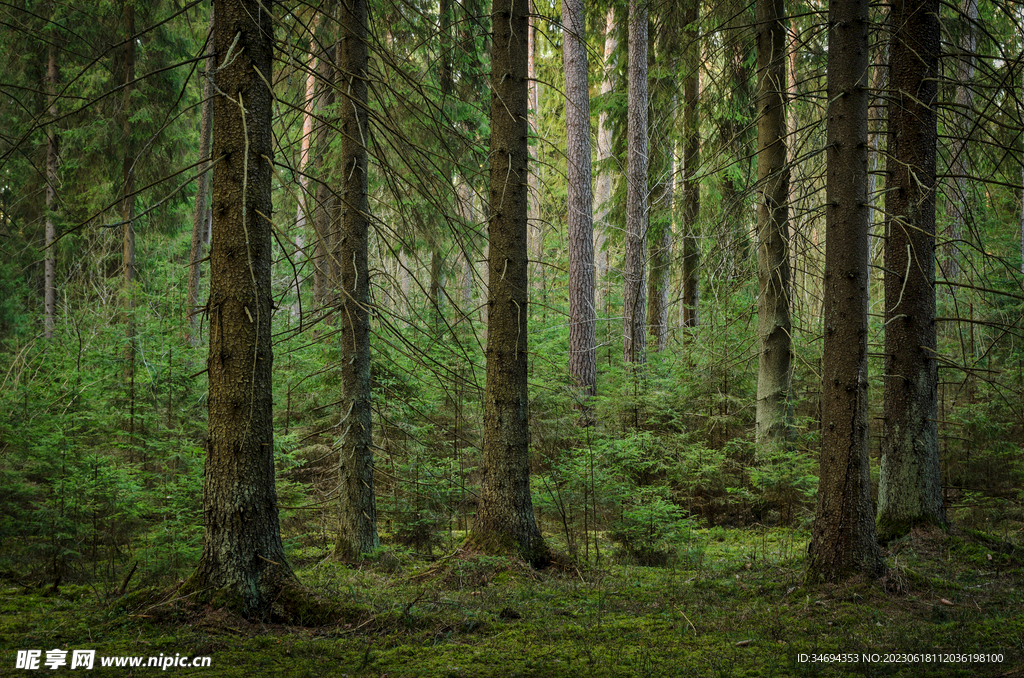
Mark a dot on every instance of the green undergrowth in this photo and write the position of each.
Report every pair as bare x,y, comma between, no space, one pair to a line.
738,608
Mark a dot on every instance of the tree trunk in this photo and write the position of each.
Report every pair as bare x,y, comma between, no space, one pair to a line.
603,194
635,294
843,534
664,51
536,226
582,338
504,519
691,162
128,216
199,212
910,486
52,141
324,194
357,533
959,156
243,558
774,329
302,209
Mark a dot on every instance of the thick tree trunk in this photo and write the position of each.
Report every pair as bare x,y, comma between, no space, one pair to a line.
242,558
202,187
775,363
52,140
504,519
635,294
582,319
691,163
843,534
357,530
910,486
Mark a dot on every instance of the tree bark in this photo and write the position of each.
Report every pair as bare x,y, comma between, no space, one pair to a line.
128,215
52,146
959,156
357,533
635,294
242,557
774,328
504,519
202,188
843,534
603,193
582,319
323,278
663,50
910,486
302,209
536,226
691,162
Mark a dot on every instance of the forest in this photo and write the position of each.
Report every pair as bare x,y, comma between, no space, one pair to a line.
512,338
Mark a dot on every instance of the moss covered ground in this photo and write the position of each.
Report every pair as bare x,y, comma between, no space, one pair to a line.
733,603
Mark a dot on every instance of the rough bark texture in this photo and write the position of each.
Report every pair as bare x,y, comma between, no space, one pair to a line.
691,163
202,187
52,140
843,534
959,156
603,190
324,194
504,518
243,558
582,319
536,226
775,363
635,294
664,52
910,489
357,530
302,209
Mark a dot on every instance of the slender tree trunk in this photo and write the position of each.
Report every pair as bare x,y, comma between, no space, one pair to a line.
243,557
691,163
663,50
436,290
603,192
661,251
635,295
128,215
959,163
504,518
302,209
357,533
199,212
879,72
582,319
910,485
536,233
52,141
324,194
843,534
774,329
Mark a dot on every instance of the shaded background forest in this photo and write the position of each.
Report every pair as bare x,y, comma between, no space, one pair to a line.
102,420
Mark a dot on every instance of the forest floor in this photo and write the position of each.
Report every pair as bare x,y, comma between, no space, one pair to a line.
733,604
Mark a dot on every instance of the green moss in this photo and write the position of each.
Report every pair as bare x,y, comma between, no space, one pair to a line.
495,616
